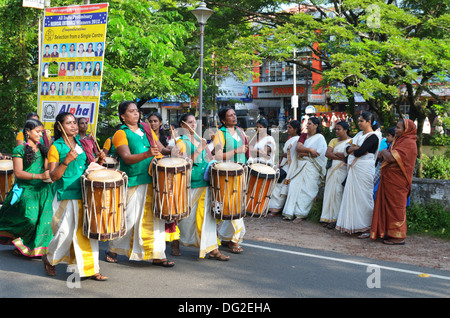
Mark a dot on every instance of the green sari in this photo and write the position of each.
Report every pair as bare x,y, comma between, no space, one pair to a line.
26,223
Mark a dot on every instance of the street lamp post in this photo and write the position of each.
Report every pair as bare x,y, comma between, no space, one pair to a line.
202,13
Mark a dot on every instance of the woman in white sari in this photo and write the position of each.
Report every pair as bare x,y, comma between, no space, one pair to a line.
278,197
355,213
336,175
263,146
305,173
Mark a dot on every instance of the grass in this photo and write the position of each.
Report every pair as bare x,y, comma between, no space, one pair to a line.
431,219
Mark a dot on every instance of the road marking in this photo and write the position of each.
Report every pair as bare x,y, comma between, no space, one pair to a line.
344,261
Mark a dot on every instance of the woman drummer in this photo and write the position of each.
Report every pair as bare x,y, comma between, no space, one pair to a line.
230,144
67,163
136,146
200,228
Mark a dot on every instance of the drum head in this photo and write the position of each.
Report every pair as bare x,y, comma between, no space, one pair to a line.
262,169
171,162
104,175
6,165
228,166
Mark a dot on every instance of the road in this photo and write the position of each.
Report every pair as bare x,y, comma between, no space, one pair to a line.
264,271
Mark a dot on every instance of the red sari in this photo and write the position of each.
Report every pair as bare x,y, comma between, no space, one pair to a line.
389,214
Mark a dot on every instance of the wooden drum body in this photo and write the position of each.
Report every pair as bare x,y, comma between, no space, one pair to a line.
262,179
171,188
104,202
6,178
228,190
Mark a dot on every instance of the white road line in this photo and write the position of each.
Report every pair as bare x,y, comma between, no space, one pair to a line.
344,261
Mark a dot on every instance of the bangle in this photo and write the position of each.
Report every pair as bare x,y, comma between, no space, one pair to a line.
64,163
32,176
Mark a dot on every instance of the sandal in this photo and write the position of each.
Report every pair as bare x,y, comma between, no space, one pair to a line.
364,235
49,269
272,214
111,257
297,220
218,256
235,248
331,226
99,277
389,242
164,263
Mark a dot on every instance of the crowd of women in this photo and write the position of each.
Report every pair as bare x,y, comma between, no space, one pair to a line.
367,179
42,215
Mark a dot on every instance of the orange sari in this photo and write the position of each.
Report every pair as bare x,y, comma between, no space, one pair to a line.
389,214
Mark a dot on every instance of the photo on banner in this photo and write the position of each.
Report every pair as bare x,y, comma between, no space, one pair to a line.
71,63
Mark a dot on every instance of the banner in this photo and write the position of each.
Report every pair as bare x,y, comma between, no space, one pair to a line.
71,63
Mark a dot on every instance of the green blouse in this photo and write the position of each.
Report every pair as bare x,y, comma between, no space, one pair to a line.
36,167
231,143
138,172
199,166
69,186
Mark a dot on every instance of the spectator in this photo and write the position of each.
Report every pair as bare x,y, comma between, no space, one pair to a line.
307,169
336,175
389,215
355,212
278,196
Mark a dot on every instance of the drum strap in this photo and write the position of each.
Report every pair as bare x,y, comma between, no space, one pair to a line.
149,134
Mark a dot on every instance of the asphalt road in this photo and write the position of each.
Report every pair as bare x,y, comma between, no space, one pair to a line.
263,272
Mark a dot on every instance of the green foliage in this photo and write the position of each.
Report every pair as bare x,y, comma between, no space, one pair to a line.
436,167
18,69
389,52
144,57
316,210
438,139
430,219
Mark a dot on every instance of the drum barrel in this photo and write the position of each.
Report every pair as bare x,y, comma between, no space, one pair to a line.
171,188
104,205
228,191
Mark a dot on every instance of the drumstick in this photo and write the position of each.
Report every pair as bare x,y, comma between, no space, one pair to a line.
67,138
192,130
173,134
253,137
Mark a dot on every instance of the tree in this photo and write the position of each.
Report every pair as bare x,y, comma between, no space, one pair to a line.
18,69
144,57
388,53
